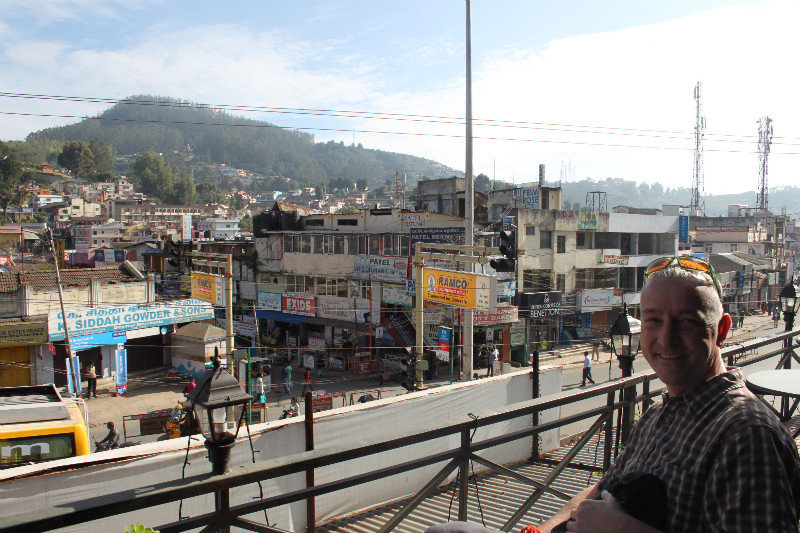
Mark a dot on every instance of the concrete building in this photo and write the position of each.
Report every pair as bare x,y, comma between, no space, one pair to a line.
218,228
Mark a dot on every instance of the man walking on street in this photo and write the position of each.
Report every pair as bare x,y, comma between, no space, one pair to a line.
596,350
587,369
287,378
492,358
91,381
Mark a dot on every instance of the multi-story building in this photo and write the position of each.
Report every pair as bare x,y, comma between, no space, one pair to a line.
93,234
218,228
138,212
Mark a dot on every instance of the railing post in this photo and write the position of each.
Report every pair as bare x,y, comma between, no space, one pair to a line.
535,443
609,432
311,508
223,502
646,394
463,476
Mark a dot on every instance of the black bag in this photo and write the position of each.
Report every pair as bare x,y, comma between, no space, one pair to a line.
643,496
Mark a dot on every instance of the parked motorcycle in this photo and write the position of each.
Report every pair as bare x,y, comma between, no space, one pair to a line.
105,446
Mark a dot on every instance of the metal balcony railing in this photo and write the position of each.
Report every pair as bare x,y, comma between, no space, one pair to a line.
617,395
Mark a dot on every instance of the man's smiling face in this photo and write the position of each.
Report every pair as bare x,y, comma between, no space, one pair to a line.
680,334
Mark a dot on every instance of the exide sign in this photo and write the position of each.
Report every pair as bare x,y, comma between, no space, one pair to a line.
299,305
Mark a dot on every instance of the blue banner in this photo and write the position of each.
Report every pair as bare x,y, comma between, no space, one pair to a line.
683,228
119,256
445,334
100,255
122,371
73,363
84,342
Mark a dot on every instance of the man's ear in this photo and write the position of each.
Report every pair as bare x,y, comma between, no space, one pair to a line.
723,328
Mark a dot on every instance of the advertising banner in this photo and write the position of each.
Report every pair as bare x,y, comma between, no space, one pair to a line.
453,235
316,344
296,304
23,333
544,304
208,287
596,300
683,228
73,362
413,221
527,197
460,289
508,223
86,321
271,301
119,256
616,259
335,308
122,371
397,295
587,221
84,342
379,268
100,256
445,337
506,289
517,333
186,228
503,315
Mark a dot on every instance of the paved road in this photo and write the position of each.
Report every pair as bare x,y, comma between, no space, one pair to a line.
152,391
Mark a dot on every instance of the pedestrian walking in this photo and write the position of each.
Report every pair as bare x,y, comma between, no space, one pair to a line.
776,317
596,350
287,378
741,318
91,381
587,369
493,353
307,381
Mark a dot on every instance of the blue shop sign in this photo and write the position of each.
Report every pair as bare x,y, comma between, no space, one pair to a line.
84,342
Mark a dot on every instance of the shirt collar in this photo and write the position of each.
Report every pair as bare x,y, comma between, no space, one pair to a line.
704,393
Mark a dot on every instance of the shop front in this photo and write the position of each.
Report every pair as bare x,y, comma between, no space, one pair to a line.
19,346
96,335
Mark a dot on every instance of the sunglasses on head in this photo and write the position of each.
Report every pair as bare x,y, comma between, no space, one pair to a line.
686,262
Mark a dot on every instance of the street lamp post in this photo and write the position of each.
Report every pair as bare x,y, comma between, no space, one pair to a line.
214,401
626,333
789,304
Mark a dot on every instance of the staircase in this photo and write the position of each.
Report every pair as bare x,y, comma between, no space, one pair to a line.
400,327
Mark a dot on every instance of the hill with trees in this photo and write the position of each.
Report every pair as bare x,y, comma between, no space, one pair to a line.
166,125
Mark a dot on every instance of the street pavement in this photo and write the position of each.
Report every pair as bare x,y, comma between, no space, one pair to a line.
151,391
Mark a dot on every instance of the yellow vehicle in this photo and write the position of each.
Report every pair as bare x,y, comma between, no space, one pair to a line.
37,424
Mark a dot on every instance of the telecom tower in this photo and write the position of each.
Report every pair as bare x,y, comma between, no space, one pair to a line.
697,206
764,142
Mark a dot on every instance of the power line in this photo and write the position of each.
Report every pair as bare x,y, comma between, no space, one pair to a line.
566,128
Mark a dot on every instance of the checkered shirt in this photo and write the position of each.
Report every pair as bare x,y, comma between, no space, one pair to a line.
728,463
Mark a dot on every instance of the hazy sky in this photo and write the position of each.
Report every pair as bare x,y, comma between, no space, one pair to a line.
606,87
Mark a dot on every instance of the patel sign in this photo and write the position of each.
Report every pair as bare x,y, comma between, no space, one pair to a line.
460,289
379,268
87,321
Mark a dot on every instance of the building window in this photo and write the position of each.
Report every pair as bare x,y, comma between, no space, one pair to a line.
374,244
580,240
545,239
561,244
318,244
561,282
353,247
315,222
537,280
347,222
405,247
530,229
388,245
305,244
338,244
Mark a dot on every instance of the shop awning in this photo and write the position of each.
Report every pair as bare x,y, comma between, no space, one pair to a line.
279,316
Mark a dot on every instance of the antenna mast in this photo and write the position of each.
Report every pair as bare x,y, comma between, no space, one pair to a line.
764,143
698,206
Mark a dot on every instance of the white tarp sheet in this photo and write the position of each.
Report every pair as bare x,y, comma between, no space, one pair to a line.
162,462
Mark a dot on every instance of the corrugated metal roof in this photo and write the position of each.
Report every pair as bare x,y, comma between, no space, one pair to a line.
46,279
493,498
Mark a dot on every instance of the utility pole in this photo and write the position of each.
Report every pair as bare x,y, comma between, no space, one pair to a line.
764,143
76,377
212,260
469,200
697,201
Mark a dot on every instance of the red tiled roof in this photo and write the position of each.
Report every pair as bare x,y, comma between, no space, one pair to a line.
46,279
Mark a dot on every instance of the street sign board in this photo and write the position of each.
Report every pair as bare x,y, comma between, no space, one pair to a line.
460,289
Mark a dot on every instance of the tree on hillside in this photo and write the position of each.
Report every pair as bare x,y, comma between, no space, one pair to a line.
208,193
10,174
183,191
103,158
348,210
77,157
361,184
246,224
156,176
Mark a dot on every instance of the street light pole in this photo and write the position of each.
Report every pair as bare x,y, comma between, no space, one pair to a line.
625,335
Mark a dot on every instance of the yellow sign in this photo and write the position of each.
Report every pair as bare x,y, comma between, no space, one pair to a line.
59,246
460,289
23,333
207,287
